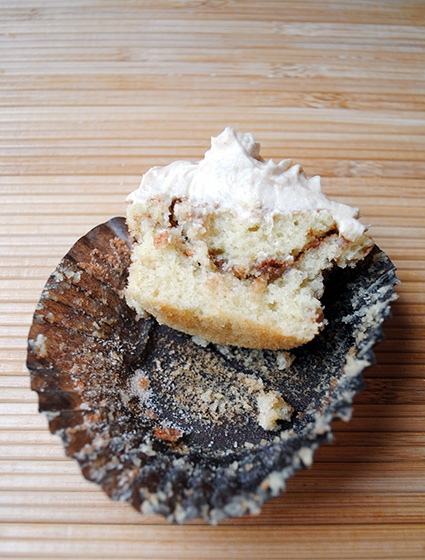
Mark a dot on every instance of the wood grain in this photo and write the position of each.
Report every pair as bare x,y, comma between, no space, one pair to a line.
94,92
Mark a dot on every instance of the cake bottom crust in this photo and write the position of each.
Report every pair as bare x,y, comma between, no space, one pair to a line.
224,329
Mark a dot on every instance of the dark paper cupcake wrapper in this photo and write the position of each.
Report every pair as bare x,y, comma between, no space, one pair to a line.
171,425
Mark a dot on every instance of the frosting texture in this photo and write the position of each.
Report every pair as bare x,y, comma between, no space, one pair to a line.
232,176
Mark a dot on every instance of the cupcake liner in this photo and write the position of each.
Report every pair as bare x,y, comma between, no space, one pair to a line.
169,423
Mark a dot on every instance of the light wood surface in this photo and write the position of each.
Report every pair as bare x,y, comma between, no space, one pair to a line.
92,93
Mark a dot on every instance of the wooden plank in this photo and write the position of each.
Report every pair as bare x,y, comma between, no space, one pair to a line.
288,510
107,541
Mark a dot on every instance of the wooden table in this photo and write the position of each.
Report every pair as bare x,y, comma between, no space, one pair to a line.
94,92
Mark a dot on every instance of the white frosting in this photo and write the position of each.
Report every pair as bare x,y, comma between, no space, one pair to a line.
234,177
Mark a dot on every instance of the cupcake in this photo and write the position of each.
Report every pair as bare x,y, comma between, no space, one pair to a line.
235,249
182,408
